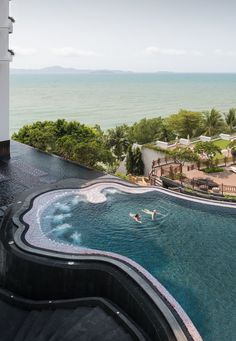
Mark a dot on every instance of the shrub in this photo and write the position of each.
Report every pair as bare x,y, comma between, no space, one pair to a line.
134,162
213,170
122,176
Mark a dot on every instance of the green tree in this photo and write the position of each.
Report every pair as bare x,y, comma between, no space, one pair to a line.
138,168
186,123
134,162
92,153
182,155
213,122
71,140
129,160
118,140
209,149
232,145
40,135
165,133
230,119
65,146
146,130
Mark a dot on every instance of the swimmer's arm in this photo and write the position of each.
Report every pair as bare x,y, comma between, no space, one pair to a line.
147,211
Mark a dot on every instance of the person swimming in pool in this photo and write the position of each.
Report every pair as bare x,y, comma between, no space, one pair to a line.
137,217
152,213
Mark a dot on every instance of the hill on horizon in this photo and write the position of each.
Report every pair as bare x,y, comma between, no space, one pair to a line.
64,70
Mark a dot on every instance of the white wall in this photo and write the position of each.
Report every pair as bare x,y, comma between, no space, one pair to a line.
4,42
4,70
148,155
4,13
4,101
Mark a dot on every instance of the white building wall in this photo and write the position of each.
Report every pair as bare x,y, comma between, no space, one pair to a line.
148,155
4,101
4,13
4,70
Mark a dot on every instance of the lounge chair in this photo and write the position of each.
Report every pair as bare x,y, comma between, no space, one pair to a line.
233,169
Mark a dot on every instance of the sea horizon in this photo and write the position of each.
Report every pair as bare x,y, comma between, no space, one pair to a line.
111,98
58,69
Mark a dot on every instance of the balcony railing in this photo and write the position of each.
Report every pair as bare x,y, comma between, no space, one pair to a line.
7,57
11,21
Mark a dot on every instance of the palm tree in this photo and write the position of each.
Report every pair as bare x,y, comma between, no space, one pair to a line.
118,140
165,133
232,145
230,119
213,122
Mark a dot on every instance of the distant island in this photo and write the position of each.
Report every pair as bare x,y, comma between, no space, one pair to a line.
64,70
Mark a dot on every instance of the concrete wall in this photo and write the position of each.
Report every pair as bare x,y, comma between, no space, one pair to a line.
4,78
4,13
4,101
148,155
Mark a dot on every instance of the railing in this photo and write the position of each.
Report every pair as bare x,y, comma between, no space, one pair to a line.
207,186
229,189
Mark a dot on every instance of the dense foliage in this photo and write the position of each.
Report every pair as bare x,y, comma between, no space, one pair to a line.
95,148
134,162
149,130
182,155
209,149
70,140
186,124
230,119
118,140
213,170
213,122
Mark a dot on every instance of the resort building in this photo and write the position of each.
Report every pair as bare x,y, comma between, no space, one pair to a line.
6,28
77,264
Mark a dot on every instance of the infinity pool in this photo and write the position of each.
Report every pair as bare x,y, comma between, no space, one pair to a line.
190,248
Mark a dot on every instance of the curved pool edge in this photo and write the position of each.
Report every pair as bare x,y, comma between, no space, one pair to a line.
35,204
130,266
171,193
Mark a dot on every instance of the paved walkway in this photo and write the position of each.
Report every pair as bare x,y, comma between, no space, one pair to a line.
227,177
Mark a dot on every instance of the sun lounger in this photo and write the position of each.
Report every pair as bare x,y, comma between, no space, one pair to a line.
233,169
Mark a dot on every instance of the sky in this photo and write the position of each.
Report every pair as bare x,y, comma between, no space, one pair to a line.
135,35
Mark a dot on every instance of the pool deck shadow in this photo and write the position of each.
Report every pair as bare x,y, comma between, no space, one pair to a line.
30,169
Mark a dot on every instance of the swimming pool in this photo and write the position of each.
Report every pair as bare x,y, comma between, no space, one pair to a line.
189,248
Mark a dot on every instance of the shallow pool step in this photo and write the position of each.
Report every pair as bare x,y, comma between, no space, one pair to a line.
56,319
38,324
11,319
72,324
68,322
26,325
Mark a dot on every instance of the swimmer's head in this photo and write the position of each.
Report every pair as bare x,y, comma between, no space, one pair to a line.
154,211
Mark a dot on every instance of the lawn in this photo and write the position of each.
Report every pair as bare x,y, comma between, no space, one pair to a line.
223,144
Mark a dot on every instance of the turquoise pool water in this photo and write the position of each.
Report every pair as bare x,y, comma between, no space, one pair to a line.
190,248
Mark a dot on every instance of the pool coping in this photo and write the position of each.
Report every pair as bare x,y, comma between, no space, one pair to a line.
31,215
128,265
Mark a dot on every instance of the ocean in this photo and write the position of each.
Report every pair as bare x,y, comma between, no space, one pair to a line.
113,99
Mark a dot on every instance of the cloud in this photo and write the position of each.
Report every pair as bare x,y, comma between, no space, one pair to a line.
195,53
23,51
226,53
68,51
156,51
